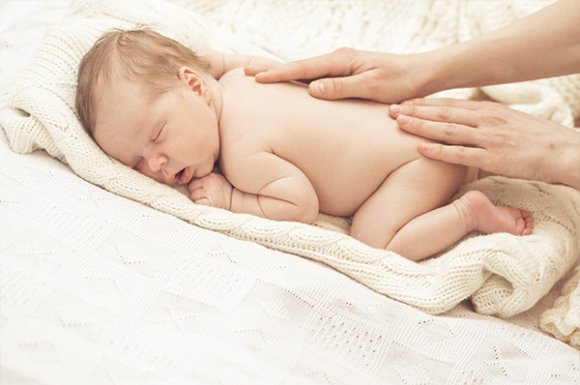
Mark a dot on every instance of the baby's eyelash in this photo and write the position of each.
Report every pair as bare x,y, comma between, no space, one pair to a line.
159,132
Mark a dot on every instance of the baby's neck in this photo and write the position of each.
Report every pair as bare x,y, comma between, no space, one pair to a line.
216,98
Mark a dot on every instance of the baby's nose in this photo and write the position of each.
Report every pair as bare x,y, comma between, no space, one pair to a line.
145,169
159,170
157,163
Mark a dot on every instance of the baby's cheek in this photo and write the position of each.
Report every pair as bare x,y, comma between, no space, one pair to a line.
145,170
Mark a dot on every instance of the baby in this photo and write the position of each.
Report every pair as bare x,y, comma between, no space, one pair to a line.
174,115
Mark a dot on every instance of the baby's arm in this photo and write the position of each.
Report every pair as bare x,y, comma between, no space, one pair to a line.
264,185
221,62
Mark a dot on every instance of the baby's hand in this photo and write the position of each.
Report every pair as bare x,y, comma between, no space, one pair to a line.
211,190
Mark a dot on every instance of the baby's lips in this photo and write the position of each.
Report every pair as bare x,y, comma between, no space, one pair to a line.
185,176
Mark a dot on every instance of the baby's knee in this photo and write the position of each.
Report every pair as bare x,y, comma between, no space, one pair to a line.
371,237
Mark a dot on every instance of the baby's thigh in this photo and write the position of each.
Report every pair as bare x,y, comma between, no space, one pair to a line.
431,181
411,190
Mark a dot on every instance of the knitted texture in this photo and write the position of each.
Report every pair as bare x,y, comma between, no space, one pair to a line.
563,320
96,289
502,274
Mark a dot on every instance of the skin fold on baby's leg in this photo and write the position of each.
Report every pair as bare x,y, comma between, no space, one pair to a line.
408,214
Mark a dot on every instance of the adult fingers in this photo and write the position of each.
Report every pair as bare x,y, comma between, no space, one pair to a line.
449,102
252,70
331,64
355,86
447,132
466,156
440,113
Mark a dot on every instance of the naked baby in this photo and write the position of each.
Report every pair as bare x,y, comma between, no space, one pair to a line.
174,114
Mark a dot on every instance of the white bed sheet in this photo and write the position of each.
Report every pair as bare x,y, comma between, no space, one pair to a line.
97,289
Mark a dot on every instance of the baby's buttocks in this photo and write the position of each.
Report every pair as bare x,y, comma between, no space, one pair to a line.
409,143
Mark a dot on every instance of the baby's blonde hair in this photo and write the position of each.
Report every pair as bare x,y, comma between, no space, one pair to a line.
139,55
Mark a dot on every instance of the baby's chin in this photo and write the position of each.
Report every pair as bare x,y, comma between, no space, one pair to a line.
205,171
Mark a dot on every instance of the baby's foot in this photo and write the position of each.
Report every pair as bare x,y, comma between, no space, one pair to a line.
482,215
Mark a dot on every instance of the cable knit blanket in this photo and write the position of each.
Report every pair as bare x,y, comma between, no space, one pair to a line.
502,274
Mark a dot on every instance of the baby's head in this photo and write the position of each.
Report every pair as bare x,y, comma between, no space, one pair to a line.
146,101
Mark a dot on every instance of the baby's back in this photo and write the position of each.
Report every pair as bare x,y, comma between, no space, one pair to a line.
345,148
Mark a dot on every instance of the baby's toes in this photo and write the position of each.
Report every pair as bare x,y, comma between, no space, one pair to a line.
519,223
529,222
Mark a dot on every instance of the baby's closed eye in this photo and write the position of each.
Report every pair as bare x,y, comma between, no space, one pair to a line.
157,136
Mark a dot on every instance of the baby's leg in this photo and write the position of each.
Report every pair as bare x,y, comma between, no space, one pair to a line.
438,229
409,192
406,214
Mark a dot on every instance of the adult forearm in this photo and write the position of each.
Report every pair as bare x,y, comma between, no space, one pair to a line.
544,44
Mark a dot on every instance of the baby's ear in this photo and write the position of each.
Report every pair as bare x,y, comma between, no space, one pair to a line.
193,80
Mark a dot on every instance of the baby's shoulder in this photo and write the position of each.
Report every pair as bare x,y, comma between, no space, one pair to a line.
235,76
234,154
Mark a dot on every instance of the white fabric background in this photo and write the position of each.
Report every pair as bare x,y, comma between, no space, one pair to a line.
98,289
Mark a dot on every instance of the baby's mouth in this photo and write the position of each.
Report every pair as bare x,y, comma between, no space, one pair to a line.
183,176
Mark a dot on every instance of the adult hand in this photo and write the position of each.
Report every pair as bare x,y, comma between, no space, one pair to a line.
513,53
493,138
350,73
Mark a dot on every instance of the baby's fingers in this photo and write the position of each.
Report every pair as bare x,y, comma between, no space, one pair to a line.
203,201
199,194
196,183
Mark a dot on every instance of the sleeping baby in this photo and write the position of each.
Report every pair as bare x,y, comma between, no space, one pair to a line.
177,114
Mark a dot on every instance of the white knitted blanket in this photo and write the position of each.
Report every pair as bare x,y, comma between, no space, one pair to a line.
502,274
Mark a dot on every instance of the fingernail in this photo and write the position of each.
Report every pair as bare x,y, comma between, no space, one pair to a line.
395,108
318,86
404,119
426,147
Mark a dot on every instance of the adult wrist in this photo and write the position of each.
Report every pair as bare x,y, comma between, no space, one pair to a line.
472,63
441,70
567,171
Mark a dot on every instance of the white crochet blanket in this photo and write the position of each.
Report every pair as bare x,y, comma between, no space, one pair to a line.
502,274
96,289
